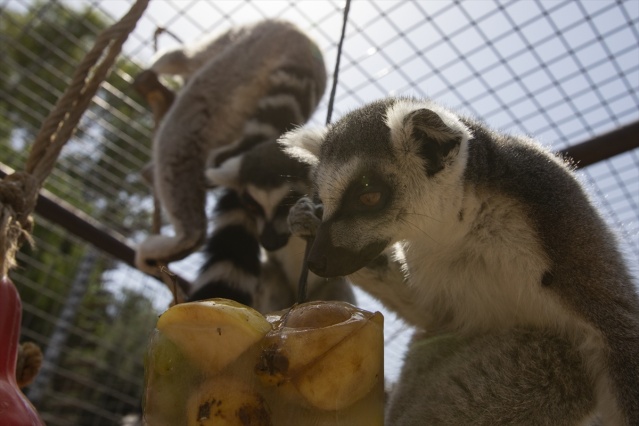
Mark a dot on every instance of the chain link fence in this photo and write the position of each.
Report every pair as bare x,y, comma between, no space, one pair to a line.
562,71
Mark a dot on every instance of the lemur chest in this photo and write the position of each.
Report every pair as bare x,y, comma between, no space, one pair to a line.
483,271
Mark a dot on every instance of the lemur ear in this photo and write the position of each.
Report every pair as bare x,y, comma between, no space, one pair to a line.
436,142
226,174
303,144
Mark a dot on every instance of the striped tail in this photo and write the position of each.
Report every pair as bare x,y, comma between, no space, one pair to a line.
290,102
232,267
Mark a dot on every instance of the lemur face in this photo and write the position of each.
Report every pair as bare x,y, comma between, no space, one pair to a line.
362,207
270,208
378,171
268,183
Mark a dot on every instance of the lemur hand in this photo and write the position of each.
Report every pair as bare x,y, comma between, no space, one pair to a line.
304,218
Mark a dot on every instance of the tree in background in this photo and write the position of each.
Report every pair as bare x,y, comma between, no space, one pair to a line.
99,373
40,48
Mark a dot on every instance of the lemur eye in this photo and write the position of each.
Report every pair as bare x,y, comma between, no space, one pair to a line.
370,199
368,194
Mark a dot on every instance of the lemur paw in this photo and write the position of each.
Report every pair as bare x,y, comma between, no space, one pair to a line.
304,218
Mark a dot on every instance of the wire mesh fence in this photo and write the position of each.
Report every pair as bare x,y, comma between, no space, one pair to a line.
562,71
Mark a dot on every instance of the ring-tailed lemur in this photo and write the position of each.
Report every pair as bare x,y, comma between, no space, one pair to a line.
258,189
489,244
261,80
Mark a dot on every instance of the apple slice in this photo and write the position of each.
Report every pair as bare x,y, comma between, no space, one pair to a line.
213,333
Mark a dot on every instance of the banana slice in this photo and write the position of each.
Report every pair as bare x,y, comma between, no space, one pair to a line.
332,353
213,333
225,401
349,370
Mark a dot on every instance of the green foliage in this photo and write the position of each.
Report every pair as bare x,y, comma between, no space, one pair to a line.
42,48
112,358
40,51
50,265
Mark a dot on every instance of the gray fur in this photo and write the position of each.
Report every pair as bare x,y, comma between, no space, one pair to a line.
481,234
496,379
248,85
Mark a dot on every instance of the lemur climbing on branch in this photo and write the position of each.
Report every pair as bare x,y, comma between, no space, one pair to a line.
247,86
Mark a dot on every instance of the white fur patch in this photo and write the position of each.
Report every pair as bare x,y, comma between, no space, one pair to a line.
268,199
226,174
303,144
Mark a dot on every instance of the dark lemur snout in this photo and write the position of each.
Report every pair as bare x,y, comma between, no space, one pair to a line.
327,260
274,234
271,239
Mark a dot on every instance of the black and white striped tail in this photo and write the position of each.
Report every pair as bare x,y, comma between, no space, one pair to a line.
232,266
291,100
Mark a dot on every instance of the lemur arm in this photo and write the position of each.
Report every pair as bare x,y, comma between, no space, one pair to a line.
383,278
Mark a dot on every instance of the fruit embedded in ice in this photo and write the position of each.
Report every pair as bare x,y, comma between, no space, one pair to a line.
331,352
226,401
169,378
201,329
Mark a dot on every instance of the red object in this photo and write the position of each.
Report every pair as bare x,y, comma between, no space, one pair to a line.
15,408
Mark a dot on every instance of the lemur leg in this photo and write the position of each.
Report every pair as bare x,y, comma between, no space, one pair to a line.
383,278
182,193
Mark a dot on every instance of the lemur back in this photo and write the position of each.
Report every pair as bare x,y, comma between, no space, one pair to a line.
258,188
186,60
473,234
247,86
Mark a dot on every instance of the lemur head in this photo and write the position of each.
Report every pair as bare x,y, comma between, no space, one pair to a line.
268,182
379,171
